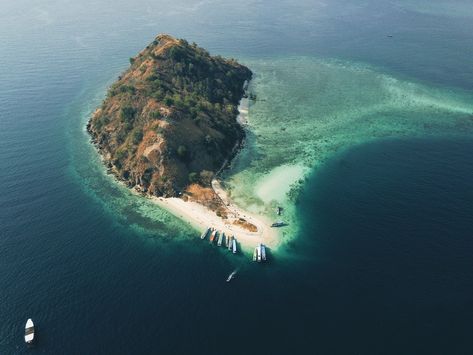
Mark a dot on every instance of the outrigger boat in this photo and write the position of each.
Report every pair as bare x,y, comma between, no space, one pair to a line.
263,252
220,239
212,236
206,232
278,224
230,244
234,245
29,332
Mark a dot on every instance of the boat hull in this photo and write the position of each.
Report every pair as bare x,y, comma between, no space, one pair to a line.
29,332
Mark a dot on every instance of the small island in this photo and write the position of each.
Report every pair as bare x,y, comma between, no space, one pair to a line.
169,125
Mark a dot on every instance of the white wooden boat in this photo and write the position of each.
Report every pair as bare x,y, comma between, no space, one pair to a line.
205,233
29,331
263,252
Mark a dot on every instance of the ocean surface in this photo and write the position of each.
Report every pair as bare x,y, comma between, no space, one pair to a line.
362,129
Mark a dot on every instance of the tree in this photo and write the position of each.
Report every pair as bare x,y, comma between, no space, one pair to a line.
137,137
193,178
182,151
128,113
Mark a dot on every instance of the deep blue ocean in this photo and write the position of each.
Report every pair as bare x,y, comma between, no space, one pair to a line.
382,264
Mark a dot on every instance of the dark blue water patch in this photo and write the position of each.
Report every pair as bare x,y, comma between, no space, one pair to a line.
389,226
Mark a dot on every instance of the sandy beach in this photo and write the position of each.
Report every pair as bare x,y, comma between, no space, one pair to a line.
201,217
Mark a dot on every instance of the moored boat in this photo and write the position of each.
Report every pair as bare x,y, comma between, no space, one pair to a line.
234,245
259,252
212,236
230,244
278,224
205,233
217,234
255,254
220,239
263,252
29,331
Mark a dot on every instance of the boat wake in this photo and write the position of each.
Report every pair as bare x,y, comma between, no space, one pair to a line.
232,275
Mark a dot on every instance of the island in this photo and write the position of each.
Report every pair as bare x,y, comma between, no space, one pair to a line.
168,126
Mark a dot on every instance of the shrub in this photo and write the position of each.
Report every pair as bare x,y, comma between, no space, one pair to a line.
137,136
156,115
182,151
193,178
126,88
168,101
128,113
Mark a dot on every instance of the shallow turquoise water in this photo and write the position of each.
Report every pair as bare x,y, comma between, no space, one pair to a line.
308,109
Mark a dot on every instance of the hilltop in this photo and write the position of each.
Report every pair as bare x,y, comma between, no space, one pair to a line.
168,123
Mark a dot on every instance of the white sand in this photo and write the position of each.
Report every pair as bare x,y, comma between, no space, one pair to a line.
243,108
201,218
275,185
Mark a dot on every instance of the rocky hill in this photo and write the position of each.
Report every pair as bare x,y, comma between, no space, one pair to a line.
170,119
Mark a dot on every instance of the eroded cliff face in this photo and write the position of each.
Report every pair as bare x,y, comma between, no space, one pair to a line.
170,119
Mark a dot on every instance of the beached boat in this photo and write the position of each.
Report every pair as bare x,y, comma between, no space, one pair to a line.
29,331
234,245
263,252
220,239
212,236
278,224
255,254
259,252
230,244
205,233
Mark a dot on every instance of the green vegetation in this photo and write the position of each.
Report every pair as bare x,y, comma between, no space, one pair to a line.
128,113
193,94
182,152
193,177
137,136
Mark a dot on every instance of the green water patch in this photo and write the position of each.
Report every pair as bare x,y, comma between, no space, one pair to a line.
307,109
129,210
